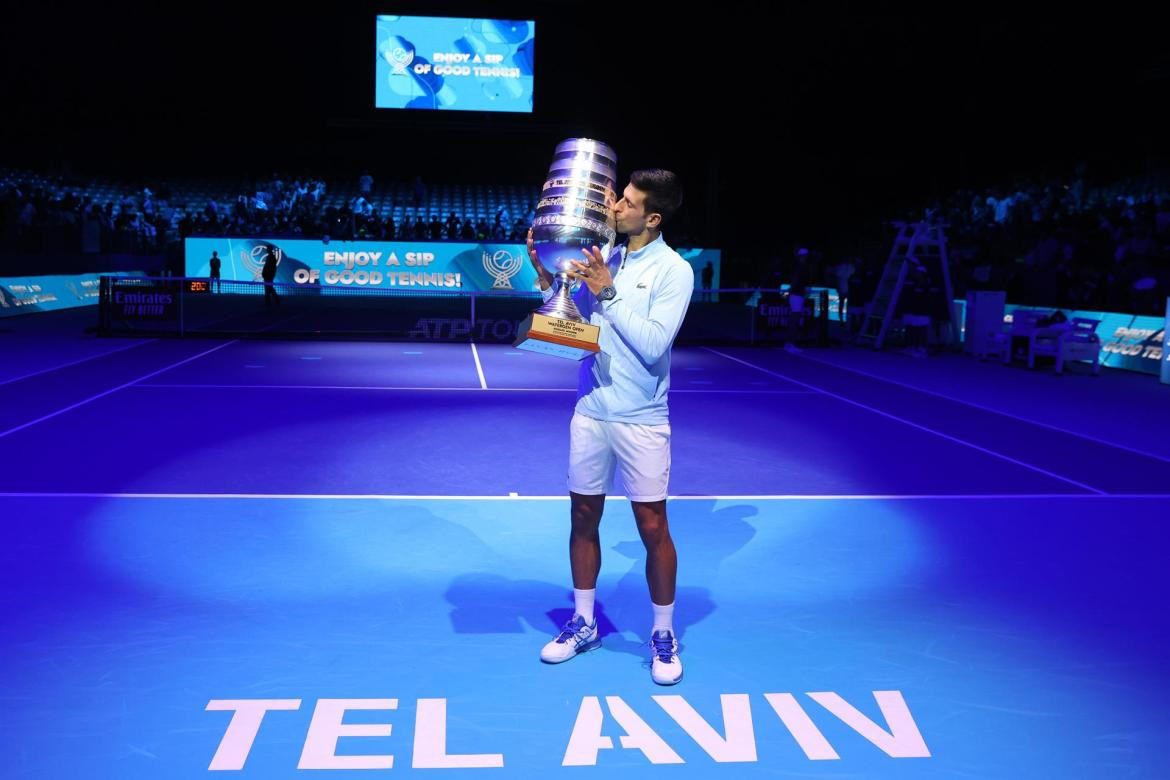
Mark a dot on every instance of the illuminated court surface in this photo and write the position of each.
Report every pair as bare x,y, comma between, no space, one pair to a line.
264,558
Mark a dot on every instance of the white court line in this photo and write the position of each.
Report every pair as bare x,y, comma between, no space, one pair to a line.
368,387
517,497
478,368
904,421
123,349
452,389
75,362
746,392
1000,412
114,390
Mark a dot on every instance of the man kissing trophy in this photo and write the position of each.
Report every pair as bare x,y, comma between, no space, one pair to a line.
574,214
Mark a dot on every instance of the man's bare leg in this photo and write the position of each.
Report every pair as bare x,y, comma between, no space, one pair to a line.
661,572
580,633
584,539
661,558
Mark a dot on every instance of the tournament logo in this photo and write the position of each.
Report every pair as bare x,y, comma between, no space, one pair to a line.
400,59
502,265
253,259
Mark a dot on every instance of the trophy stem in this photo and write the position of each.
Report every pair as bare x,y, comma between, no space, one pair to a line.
561,305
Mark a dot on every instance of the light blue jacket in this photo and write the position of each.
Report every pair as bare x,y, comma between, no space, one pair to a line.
627,381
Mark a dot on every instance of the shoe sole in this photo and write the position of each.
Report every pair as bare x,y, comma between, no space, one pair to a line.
670,682
585,648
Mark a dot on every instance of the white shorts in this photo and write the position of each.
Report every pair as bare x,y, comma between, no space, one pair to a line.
641,452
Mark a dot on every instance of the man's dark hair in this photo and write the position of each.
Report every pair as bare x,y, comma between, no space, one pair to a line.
663,190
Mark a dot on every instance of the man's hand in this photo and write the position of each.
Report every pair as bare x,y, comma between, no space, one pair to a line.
594,271
542,274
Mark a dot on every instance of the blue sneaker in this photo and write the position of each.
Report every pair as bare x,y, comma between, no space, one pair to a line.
665,665
575,638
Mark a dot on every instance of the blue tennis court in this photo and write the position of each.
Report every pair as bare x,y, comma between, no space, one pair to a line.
265,558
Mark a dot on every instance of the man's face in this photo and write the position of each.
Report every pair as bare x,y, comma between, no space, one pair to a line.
630,215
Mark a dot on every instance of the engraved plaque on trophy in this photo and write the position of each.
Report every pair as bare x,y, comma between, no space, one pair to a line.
574,213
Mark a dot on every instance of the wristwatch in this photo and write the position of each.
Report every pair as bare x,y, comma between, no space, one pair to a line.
607,293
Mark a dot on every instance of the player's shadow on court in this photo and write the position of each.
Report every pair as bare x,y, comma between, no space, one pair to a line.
491,603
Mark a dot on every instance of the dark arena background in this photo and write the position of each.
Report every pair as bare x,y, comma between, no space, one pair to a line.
316,525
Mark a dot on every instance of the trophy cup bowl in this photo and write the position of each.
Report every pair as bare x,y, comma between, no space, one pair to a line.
574,214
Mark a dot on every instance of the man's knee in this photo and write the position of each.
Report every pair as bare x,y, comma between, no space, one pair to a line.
651,518
586,512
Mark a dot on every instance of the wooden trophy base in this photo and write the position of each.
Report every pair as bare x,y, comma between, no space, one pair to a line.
557,337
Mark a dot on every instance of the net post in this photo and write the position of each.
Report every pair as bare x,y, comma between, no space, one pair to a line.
471,330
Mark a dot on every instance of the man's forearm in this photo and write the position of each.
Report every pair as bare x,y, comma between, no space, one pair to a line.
651,336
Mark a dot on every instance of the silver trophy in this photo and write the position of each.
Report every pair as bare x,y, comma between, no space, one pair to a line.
574,213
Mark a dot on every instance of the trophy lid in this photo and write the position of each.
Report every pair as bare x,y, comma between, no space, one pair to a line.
586,148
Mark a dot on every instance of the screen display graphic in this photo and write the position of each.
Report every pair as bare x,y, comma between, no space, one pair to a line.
444,64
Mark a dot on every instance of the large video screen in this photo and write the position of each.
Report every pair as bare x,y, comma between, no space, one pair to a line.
436,63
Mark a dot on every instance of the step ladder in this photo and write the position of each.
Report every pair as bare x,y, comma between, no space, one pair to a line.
917,243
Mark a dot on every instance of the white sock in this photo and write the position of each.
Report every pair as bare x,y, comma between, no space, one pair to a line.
663,617
583,602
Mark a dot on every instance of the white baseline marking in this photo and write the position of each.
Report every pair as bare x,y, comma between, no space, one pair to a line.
904,421
75,362
362,387
517,497
453,389
114,390
1000,412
